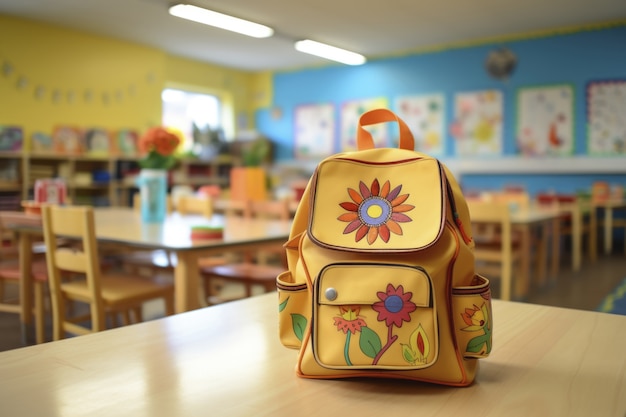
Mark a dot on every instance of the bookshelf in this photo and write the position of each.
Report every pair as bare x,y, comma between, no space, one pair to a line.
95,180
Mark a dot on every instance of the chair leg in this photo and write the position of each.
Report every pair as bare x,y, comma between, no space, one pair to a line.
39,313
169,305
137,313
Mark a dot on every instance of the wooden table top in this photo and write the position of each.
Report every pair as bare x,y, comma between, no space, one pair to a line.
124,225
227,361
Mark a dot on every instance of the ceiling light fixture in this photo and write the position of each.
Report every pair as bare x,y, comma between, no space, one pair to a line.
222,21
330,52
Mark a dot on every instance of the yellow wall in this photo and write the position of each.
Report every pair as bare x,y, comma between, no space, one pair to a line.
51,75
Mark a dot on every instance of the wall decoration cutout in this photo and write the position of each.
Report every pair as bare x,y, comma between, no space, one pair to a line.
126,142
41,142
67,140
545,124
97,142
606,117
477,125
425,116
314,131
351,111
11,138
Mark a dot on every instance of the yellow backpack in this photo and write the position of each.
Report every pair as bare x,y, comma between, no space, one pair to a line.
380,279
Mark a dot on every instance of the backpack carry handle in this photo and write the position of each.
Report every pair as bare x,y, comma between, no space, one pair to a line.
364,138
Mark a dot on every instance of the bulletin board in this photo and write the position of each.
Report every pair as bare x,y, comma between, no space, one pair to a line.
425,117
606,117
351,111
314,131
545,120
477,126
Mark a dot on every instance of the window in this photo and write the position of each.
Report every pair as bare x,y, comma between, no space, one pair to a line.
182,109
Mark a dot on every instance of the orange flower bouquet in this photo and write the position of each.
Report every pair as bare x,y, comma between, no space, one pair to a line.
158,144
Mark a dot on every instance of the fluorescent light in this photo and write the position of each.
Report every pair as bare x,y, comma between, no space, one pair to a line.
222,21
330,52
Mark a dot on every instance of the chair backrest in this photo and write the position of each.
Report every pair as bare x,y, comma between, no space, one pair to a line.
76,222
490,213
517,200
269,209
8,243
195,205
231,207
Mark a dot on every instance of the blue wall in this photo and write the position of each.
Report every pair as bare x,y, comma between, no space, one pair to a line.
574,58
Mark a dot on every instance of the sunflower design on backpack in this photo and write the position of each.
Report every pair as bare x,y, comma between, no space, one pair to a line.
375,211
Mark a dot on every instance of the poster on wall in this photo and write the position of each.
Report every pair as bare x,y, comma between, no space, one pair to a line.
350,113
425,116
314,131
545,120
606,117
477,125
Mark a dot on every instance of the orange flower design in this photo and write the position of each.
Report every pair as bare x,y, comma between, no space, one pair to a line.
375,211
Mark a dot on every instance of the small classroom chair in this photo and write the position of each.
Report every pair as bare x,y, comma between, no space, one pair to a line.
497,252
75,276
254,270
10,275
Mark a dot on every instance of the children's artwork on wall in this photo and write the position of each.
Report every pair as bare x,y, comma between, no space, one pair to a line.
67,140
126,142
477,125
424,115
351,111
11,138
97,142
545,124
314,131
41,142
606,117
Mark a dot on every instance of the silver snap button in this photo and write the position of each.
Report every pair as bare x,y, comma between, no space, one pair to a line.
331,294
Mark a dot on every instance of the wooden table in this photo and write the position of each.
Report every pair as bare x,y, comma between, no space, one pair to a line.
609,207
123,226
226,361
546,220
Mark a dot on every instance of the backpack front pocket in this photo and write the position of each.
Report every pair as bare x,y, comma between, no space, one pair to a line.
374,316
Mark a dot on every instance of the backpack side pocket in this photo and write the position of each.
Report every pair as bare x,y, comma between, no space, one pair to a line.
471,309
294,305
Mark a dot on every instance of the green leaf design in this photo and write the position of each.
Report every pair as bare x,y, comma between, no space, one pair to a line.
369,342
408,353
298,323
476,344
282,305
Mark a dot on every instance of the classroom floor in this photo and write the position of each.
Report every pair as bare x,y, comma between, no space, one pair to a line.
584,289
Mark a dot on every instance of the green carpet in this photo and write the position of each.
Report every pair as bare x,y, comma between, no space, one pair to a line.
615,302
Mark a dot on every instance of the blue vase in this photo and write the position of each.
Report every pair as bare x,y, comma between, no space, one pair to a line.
153,190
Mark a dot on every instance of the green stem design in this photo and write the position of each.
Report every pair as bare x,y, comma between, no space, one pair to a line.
390,339
346,348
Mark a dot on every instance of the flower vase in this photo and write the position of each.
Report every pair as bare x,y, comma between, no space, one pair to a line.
153,192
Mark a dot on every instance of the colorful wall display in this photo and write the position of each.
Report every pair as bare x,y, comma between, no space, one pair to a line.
314,131
477,125
606,117
545,124
425,116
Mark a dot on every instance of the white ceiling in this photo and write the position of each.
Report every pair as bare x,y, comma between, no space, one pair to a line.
375,28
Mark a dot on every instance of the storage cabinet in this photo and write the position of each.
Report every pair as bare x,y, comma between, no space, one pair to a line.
95,180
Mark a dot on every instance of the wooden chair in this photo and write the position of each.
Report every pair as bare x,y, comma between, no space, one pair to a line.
195,205
75,276
254,270
154,261
573,207
497,252
10,275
